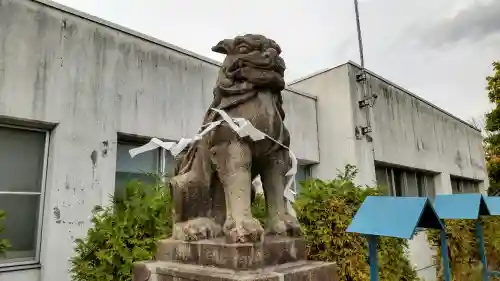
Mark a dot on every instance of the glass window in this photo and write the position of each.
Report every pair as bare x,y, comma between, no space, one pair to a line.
142,167
412,185
421,192
430,189
303,173
381,177
398,182
455,186
405,182
22,166
461,185
385,179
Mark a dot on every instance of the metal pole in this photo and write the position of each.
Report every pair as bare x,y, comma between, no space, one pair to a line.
360,40
444,254
482,253
372,256
362,77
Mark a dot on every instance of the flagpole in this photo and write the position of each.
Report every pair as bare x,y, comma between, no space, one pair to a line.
360,40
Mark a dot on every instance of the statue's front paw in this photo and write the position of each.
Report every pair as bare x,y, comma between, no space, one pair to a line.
292,225
285,225
244,230
196,229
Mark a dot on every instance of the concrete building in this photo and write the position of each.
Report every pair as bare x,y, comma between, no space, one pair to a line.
414,148
77,92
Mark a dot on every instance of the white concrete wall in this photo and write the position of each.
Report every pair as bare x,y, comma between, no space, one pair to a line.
338,95
407,131
363,117
335,120
91,81
421,256
411,132
21,275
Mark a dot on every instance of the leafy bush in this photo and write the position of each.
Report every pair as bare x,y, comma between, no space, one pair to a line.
123,233
4,243
259,208
465,263
325,210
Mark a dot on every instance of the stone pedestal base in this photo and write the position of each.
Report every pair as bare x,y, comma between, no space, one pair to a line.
275,259
293,271
274,250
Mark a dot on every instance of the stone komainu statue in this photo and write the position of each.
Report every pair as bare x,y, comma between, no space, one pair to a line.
212,188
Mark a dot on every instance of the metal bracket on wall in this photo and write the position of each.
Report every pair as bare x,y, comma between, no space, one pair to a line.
369,101
360,131
366,130
361,76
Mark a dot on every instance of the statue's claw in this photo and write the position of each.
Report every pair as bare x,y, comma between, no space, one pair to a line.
285,225
245,230
196,229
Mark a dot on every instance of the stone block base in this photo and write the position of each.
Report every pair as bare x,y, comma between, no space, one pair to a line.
274,250
293,271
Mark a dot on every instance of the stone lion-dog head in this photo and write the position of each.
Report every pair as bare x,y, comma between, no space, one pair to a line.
252,62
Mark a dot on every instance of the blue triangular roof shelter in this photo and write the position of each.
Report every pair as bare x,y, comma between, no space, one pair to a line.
461,206
394,216
493,203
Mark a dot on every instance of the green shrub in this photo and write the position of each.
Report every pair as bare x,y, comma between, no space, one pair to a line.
465,263
4,243
259,208
123,233
325,210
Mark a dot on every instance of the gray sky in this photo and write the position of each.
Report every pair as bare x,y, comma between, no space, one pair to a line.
441,50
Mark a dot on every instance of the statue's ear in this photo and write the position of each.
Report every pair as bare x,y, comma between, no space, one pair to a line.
224,47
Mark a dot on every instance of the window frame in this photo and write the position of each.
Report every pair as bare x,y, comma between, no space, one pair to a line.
461,188
36,261
307,176
390,175
162,156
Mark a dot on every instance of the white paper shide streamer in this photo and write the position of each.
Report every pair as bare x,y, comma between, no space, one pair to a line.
244,129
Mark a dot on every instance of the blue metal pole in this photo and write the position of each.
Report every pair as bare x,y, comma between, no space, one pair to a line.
482,253
373,258
444,254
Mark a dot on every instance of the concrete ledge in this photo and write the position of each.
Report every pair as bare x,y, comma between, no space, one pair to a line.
296,271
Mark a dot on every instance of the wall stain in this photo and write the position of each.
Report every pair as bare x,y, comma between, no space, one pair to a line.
93,157
3,55
40,87
101,42
105,148
42,22
57,214
66,184
458,159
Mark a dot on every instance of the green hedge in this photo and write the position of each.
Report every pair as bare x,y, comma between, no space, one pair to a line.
127,232
123,233
4,243
465,263
325,210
